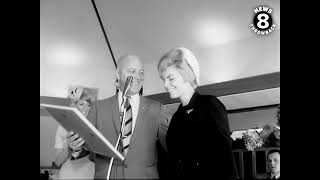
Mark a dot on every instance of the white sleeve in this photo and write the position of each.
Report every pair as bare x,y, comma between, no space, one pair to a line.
61,138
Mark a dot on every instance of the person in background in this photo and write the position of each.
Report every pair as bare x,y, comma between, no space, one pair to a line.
145,123
274,164
198,137
72,158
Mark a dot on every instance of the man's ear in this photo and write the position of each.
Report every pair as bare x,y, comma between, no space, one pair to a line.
117,83
117,76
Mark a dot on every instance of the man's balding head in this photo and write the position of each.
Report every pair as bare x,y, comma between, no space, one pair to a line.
130,65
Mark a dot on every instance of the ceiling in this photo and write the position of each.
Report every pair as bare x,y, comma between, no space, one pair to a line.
74,51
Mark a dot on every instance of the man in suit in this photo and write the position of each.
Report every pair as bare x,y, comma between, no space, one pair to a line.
274,163
148,125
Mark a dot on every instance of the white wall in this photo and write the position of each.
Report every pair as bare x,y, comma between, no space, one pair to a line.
239,59
252,119
73,50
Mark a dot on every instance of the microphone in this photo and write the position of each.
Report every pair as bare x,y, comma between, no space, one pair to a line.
127,85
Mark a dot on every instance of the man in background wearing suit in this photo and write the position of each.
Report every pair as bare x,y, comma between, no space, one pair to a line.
274,163
147,124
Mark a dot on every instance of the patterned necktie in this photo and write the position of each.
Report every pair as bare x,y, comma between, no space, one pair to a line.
127,127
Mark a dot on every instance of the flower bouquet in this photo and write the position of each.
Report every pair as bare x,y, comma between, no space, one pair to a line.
252,140
270,135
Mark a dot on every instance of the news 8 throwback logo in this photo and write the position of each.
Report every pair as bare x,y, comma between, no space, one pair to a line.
262,20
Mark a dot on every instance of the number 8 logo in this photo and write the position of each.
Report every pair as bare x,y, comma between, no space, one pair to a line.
263,23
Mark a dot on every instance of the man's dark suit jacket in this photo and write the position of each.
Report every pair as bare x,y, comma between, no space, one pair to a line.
265,176
199,142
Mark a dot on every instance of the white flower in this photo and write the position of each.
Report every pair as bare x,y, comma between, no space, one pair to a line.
252,140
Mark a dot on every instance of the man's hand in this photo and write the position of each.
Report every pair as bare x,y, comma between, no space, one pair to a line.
75,141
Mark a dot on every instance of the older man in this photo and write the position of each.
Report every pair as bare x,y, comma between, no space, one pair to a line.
144,124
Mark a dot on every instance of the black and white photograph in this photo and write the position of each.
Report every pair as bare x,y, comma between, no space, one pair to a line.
160,89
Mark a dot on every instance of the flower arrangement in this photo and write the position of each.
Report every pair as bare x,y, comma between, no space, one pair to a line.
271,132
268,136
252,140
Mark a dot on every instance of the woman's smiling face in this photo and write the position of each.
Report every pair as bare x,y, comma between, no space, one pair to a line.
174,82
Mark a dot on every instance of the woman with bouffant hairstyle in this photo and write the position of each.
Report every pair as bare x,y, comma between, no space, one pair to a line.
198,138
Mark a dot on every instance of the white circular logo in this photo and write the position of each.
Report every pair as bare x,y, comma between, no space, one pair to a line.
262,22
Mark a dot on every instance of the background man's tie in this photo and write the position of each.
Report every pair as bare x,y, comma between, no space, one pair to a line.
127,128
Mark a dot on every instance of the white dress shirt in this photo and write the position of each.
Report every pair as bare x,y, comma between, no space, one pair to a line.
277,176
134,102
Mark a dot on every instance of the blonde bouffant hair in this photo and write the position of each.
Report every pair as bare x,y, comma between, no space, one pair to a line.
185,62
